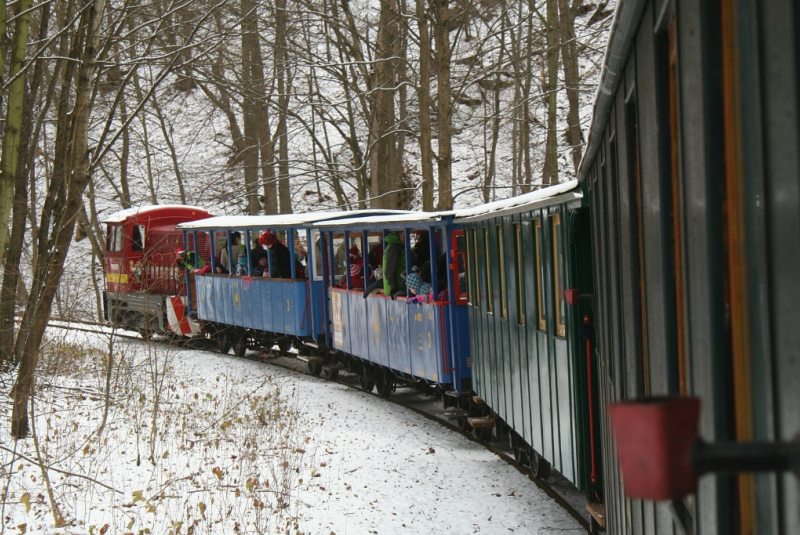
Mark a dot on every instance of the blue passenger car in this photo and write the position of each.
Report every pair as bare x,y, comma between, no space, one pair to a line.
410,339
251,310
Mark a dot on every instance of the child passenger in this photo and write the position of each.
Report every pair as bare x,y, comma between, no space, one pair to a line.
241,266
262,269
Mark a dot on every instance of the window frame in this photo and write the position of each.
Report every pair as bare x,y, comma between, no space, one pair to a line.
503,286
558,276
538,237
487,259
520,275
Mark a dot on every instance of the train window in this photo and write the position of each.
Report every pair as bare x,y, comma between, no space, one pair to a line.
115,239
475,267
137,238
558,273
374,250
489,290
541,275
339,256
502,249
459,266
520,274
316,254
470,268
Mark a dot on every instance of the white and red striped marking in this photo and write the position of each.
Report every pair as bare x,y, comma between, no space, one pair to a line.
177,319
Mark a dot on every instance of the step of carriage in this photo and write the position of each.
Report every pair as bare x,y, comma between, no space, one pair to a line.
455,414
477,400
331,367
481,421
598,512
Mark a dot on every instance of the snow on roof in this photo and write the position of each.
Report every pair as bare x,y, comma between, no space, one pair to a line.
395,219
122,215
275,221
540,197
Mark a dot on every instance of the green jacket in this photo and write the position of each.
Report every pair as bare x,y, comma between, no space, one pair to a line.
394,264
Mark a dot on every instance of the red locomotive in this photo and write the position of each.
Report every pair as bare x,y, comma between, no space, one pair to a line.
140,269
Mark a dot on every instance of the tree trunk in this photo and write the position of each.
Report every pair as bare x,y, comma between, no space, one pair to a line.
443,56
426,151
569,59
282,66
250,153
550,169
9,293
62,205
383,139
11,137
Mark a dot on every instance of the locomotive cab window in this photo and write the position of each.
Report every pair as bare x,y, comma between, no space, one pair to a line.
558,274
540,274
137,238
116,240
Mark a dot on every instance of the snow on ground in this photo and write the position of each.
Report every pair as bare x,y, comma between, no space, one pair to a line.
200,443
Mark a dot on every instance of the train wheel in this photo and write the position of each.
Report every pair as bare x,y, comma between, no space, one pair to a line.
284,345
540,468
240,345
314,367
384,384
365,380
330,373
223,342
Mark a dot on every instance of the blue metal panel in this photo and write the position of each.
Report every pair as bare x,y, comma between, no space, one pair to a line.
317,312
289,308
359,335
397,340
236,291
376,327
302,312
458,344
248,294
225,298
204,289
278,305
267,320
255,304
425,343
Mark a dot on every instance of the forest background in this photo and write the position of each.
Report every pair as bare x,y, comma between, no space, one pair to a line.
264,107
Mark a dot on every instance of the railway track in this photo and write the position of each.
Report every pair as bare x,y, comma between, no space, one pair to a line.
424,404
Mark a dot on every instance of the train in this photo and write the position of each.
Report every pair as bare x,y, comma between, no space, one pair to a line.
661,279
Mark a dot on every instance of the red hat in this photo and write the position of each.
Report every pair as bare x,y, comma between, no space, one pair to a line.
354,250
267,238
179,251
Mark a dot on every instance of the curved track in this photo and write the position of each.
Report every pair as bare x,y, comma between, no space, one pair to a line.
425,404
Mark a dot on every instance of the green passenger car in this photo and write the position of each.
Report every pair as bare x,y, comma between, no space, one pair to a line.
526,256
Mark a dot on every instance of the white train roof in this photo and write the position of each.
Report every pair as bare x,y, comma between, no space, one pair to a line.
275,221
529,201
122,215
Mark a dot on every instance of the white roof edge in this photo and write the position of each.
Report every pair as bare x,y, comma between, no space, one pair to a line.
122,215
529,201
410,217
249,222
